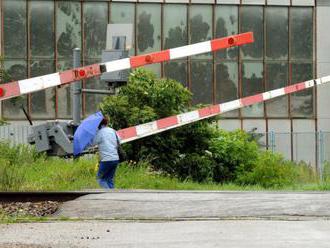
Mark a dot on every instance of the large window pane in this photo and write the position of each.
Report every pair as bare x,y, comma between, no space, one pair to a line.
12,108
301,20
201,81
93,100
42,29
200,26
43,103
252,83
177,70
252,21
175,25
64,93
95,28
68,28
277,77
302,102
148,28
123,13
277,33
227,84
226,18
14,25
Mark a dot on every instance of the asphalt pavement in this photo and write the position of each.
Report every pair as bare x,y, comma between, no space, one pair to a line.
182,219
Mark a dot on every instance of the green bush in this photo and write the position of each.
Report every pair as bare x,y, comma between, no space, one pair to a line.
198,151
233,153
194,166
146,98
271,171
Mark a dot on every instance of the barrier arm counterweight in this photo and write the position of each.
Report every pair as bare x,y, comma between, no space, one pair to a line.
22,87
158,126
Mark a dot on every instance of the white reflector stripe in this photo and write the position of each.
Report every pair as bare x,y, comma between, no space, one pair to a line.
228,106
117,65
180,52
273,93
325,79
309,83
146,128
188,117
39,83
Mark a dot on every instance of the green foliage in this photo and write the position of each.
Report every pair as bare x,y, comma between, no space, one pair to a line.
19,154
145,99
271,171
11,176
39,173
233,153
194,166
3,122
13,159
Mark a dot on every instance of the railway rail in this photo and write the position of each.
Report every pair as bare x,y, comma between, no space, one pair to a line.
59,196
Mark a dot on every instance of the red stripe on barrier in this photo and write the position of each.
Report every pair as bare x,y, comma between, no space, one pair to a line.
167,122
80,73
150,58
211,110
235,40
294,88
127,133
246,101
9,90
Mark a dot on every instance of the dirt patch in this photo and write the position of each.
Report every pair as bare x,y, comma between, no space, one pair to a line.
36,209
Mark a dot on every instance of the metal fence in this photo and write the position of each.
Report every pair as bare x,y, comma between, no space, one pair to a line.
15,134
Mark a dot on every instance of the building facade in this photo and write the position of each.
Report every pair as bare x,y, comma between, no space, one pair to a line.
291,45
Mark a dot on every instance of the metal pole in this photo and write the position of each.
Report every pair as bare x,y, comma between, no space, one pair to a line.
76,90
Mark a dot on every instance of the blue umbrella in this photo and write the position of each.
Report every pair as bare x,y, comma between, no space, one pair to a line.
86,132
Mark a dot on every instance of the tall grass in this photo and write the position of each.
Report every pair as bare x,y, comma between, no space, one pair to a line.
23,169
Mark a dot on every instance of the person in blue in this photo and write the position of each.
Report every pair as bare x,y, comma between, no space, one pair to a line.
107,141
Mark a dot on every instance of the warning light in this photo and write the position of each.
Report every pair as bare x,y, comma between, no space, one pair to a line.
149,59
82,73
2,92
231,41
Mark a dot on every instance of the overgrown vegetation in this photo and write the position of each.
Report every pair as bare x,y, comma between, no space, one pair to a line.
29,171
199,152
195,156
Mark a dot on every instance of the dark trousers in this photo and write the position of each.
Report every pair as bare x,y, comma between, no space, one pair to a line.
106,174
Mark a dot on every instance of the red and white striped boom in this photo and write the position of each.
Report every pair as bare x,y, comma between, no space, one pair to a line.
21,87
154,127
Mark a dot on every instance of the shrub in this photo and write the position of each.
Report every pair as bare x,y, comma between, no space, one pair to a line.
196,167
271,171
146,98
233,153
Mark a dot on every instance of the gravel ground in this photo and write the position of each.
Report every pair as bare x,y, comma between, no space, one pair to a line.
36,209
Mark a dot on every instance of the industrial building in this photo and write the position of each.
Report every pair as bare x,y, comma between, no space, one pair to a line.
291,45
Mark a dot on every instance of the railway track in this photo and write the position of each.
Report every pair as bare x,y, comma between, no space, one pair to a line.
60,196
37,204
